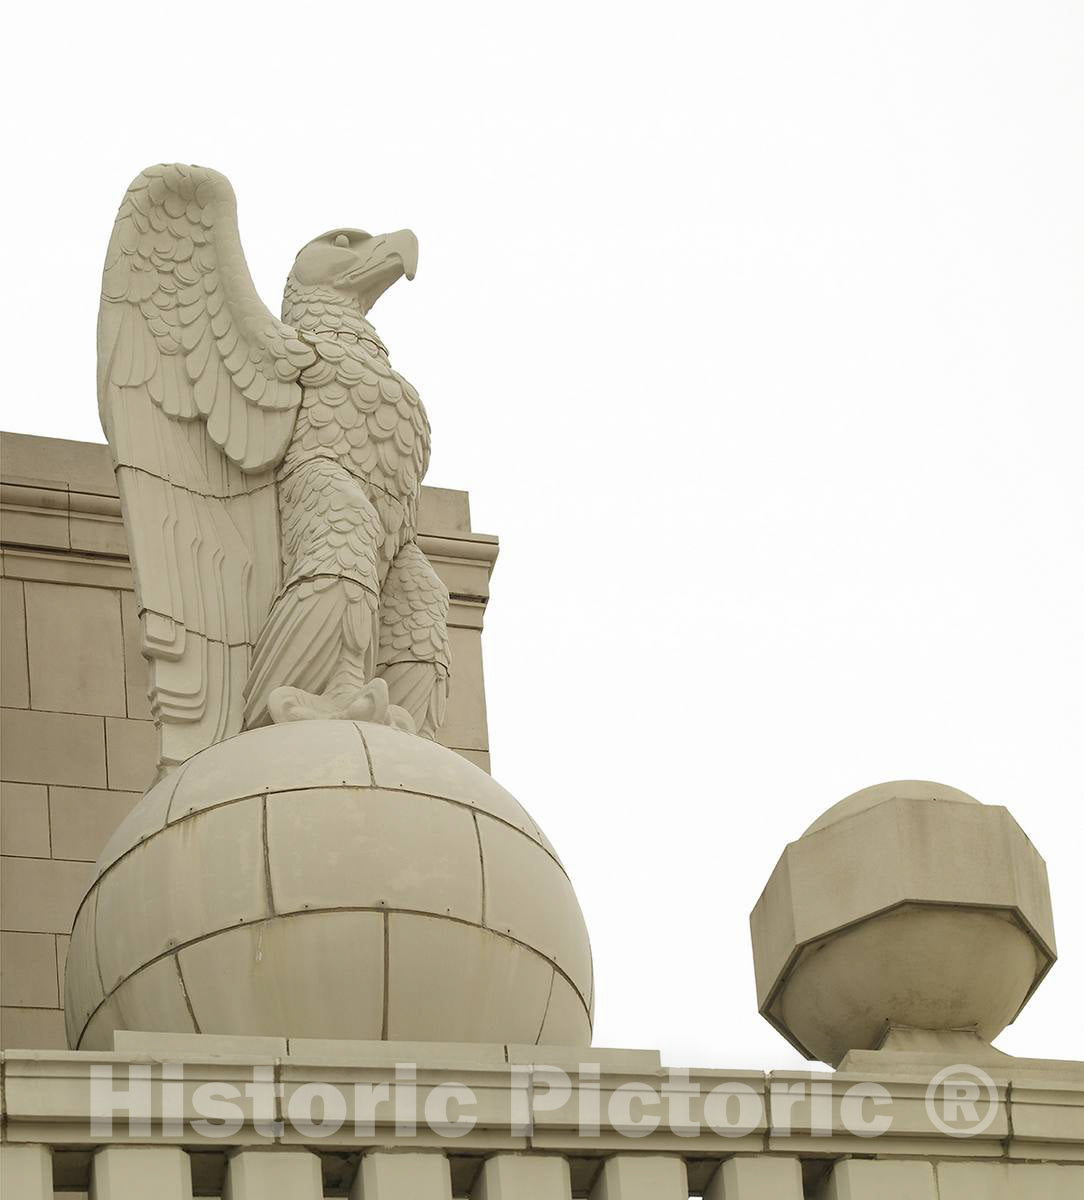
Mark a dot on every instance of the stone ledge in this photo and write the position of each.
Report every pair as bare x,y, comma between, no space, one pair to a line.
47,1097
49,484
60,522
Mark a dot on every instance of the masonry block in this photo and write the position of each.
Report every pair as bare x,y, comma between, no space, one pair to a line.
28,970
40,895
24,820
82,819
75,649
48,747
32,1029
132,754
14,678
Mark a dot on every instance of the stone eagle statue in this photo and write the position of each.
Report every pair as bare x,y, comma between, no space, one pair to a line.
269,474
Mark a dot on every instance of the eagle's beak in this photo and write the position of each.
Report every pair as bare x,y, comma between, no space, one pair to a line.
379,263
405,244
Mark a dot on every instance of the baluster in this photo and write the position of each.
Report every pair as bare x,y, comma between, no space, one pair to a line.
26,1172
881,1179
523,1177
642,1177
397,1176
278,1174
757,1178
136,1172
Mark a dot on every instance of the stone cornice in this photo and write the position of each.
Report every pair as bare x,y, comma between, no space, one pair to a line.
60,521
47,1100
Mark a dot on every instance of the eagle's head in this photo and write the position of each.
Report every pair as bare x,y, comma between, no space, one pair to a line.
360,265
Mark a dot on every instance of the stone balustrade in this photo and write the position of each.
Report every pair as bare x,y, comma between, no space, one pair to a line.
386,1121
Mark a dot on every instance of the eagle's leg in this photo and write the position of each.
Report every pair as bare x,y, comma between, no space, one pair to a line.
316,654
414,657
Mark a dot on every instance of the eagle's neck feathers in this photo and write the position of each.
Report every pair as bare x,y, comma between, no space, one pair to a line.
324,309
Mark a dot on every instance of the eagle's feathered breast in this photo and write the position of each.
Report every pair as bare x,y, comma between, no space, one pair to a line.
358,411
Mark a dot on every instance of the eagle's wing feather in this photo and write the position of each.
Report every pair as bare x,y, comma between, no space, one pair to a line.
198,392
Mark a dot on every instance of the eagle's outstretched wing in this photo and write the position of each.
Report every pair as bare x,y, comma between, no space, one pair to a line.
198,391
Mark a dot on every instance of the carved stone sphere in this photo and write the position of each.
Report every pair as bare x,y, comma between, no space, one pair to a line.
330,879
908,904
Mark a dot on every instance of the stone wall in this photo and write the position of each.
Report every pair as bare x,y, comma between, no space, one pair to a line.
77,744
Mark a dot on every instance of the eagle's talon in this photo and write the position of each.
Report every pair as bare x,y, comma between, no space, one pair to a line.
369,704
399,718
294,704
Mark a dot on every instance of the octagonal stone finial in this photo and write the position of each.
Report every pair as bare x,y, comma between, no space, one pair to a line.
906,904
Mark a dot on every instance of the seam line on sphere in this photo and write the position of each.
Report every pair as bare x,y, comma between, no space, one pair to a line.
184,992
482,865
368,756
304,912
181,771
97,958
266,858
546,1010
320,787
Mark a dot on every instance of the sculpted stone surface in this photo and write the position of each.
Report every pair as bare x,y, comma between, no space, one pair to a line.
906,905
269,474
305,865
330,879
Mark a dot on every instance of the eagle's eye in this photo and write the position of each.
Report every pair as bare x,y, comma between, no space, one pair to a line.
342,240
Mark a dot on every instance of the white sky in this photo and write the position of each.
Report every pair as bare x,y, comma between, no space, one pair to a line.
754,329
